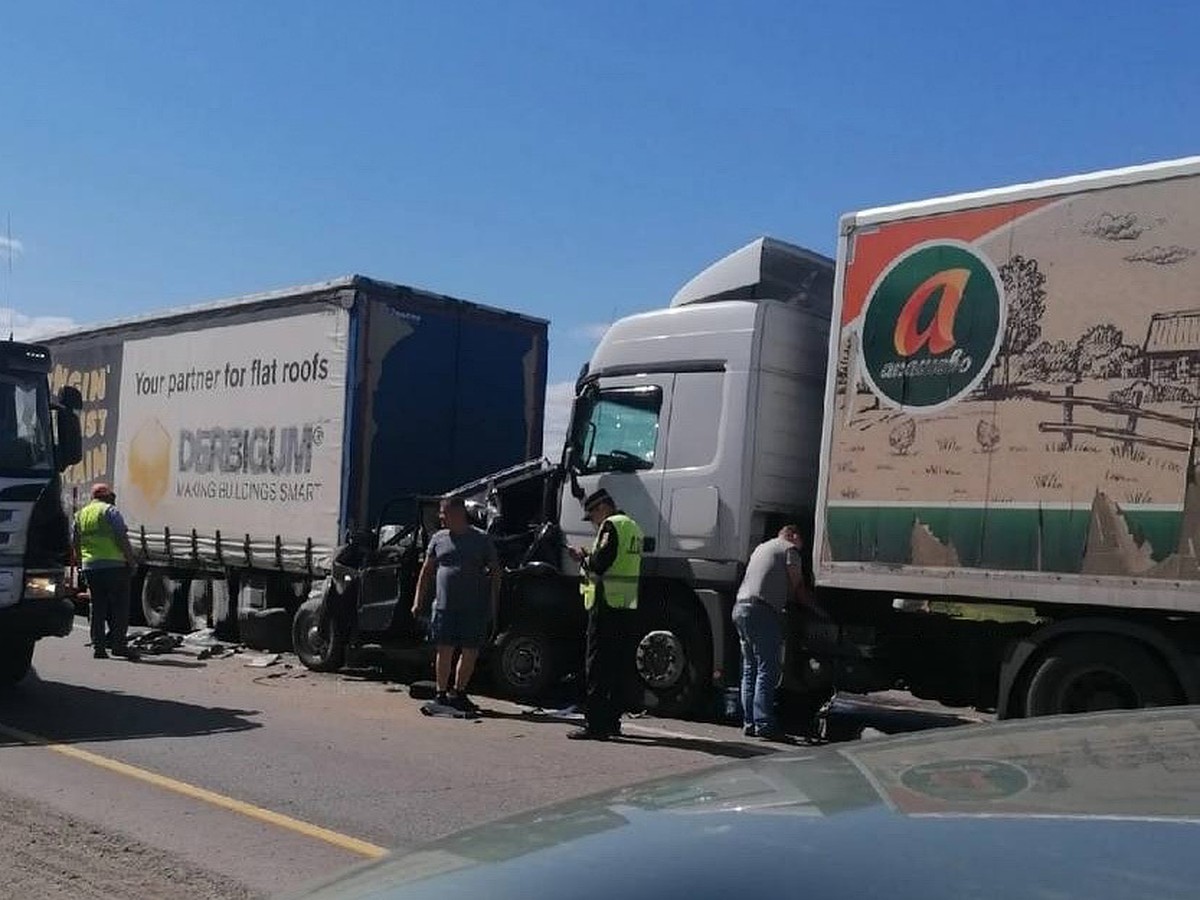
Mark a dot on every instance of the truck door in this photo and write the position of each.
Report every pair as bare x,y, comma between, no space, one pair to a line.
618,442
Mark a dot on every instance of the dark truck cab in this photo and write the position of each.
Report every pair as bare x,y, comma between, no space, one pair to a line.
39,438
366,601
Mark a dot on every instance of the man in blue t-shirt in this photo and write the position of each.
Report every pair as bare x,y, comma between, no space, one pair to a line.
461,563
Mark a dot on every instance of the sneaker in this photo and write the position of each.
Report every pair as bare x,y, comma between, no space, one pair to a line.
586,734
749,730
441,699
128,653
99,653
464,704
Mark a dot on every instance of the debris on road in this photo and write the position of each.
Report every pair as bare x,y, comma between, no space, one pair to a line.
570,713
264,660
155,642
219,651
203,637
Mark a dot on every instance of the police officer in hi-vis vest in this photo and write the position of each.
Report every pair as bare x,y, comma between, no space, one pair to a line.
609,586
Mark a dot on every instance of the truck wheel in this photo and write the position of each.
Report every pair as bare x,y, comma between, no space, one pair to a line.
317,637
671,660
164,602
199,603
16,657
1097,672
523,662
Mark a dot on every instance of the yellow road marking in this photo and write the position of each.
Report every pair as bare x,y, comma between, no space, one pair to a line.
344,841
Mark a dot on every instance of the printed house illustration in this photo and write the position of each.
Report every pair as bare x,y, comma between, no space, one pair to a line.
1173,348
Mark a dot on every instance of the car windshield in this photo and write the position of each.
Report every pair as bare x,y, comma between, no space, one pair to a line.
25,434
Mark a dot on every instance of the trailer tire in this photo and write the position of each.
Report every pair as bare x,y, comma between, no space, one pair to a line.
224,610
199,603
670,660
1089,673
317,636
164,602
269,630
524,662
16,659
136,585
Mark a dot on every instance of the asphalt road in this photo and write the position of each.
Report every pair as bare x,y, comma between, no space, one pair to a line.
220,779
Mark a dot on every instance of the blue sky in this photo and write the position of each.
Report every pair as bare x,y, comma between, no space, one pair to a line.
577,161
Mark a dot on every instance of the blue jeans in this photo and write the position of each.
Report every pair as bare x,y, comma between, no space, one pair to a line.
760,628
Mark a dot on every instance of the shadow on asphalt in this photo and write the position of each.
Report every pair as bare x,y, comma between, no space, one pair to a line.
169,663
722,749
71,713
711,747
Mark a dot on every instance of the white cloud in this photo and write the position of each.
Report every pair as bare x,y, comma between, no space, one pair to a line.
25,327
7,244
590,331
559,397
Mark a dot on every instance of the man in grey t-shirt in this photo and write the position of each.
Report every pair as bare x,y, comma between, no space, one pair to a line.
461,563
773,576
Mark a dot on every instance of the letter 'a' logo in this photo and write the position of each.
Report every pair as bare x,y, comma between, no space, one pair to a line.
932,326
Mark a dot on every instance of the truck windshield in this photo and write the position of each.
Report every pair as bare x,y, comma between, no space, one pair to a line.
616,430
25,438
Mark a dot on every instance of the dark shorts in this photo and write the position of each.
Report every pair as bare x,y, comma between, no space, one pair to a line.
460,626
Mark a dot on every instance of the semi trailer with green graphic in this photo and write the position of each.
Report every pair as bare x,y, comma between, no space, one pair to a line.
1008,512
982,415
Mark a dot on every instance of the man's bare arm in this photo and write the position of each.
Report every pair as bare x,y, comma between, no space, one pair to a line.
423,581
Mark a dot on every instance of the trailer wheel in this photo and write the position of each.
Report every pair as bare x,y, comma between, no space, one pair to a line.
16,658
1098,672
317,637
200,603
224,611
671,660
164,602
524,662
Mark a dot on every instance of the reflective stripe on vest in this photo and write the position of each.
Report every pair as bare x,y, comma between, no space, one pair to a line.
97,540
621,580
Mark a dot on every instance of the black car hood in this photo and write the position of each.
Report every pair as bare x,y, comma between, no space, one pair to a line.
1102,806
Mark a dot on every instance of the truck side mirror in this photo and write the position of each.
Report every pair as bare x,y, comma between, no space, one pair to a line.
70,398
68,448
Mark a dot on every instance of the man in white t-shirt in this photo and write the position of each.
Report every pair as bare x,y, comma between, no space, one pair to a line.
773,577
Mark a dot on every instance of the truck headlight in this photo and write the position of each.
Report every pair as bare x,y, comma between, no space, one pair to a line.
42,587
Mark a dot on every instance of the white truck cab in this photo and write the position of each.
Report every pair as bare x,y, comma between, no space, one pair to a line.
703,421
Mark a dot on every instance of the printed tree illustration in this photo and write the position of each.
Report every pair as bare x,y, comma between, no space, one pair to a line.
1024,286
1103,353
1051,361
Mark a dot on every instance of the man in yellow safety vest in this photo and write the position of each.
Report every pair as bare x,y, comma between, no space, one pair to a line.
106,557
609,574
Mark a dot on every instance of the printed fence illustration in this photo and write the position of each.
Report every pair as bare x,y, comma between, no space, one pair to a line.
1126,434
